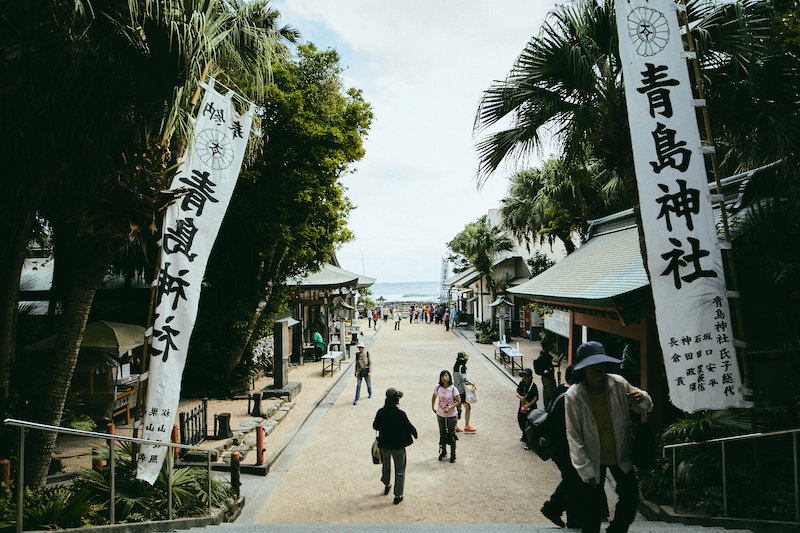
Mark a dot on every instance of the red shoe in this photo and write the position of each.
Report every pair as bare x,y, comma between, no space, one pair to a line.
470,429
459,429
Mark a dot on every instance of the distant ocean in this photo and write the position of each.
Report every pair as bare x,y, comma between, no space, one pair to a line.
417,291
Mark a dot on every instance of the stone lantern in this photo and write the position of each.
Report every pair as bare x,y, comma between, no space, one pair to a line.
503,312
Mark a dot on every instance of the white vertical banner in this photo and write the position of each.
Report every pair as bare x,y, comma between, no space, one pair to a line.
207,176
683,256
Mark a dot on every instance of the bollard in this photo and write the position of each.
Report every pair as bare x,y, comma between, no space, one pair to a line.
5,474
236,474
256,399
97,464
176,439
259,445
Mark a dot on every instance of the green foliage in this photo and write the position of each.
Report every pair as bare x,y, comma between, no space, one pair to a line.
769,269
705,425
364,297
555,202
538,263
139,501
287,215
51,508
477,245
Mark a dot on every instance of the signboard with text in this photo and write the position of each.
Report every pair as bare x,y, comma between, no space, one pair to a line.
209,170
683,258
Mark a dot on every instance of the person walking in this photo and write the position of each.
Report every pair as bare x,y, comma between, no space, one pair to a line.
395,432
446,318
396,318
597,410
567,493
445,403
528,396
543,366
385,312
375,319
461,382
363,371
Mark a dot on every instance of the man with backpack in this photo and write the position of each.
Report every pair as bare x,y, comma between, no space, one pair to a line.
565,497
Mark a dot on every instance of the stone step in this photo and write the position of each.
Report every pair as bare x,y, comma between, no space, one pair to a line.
637,527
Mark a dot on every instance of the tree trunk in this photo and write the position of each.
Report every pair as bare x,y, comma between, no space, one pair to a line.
85,276
273,266
13,256
569,246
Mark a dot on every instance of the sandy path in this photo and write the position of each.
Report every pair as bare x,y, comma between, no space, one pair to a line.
494,480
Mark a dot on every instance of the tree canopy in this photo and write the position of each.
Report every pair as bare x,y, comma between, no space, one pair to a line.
287,215
478,246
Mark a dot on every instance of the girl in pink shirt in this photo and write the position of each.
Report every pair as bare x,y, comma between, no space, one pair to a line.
445,403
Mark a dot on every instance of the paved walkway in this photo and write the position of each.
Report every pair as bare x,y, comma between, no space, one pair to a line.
326,475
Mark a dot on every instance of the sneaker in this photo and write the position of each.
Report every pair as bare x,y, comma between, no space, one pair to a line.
355,402
386,489
470,429
397,499
370,396
459,429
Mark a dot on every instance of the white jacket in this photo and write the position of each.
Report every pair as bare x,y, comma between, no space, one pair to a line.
582,435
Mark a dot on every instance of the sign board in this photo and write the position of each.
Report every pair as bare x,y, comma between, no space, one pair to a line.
208,173
683,256
557,322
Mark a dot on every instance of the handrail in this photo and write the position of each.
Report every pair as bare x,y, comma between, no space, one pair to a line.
722,441
23,424
735,437
106,436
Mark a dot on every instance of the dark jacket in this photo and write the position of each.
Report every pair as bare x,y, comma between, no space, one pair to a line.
394,429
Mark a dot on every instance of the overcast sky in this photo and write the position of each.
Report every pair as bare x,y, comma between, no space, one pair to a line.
423,66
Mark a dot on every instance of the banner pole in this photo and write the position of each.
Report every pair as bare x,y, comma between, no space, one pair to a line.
727,254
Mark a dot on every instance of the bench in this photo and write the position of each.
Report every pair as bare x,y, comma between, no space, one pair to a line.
498,350
332,357
512,357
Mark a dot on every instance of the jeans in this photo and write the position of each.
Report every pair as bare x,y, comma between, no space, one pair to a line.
399,457
592,498
447,430
358,385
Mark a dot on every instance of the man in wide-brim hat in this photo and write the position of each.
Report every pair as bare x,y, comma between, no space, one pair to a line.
597,415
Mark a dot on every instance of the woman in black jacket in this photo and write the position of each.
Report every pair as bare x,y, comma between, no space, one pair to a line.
395,432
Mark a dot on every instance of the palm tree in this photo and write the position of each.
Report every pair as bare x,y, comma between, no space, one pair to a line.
554,202
480,243
568,81
127,74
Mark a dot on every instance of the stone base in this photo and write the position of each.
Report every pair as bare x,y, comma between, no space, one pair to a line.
291,390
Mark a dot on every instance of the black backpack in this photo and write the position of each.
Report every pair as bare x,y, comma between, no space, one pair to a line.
537,434
543,363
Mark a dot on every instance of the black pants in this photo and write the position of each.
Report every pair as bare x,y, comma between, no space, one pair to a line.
593,498
522,419
447,325
397,324
566,497
447,430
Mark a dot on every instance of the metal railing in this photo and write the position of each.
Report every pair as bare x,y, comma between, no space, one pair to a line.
722,442
23,424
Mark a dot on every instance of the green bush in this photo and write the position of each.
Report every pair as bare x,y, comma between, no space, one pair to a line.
86,502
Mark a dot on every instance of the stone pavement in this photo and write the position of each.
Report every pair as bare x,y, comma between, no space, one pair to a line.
326,475
323,478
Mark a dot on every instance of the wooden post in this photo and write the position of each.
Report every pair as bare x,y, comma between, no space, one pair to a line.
176,439
260,445
97,464
236,475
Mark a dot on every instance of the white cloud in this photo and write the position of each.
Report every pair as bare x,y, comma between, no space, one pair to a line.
423,67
